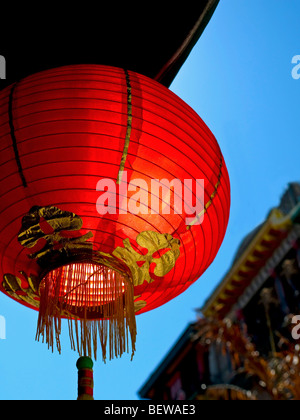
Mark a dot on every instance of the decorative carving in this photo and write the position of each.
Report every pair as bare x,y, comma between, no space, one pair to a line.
29,294
139,264
52,225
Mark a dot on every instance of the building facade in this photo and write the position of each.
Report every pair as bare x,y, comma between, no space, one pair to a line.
261,295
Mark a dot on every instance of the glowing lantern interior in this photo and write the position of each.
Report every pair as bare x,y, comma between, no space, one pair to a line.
84,285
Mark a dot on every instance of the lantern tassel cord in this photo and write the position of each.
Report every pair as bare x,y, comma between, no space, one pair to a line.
129,128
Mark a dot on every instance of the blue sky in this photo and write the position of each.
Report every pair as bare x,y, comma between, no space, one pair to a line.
238,78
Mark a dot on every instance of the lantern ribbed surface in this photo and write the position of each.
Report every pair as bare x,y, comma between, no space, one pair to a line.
81,148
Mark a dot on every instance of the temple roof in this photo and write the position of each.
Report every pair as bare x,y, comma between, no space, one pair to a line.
256,248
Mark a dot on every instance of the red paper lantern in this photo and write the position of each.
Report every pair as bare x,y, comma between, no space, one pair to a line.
115,198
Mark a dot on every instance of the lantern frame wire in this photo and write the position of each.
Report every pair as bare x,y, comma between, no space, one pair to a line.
129,127
13,136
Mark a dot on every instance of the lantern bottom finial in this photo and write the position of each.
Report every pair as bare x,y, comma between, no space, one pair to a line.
85,379
98,303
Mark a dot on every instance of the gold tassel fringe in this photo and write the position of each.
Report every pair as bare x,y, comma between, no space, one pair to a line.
99,305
